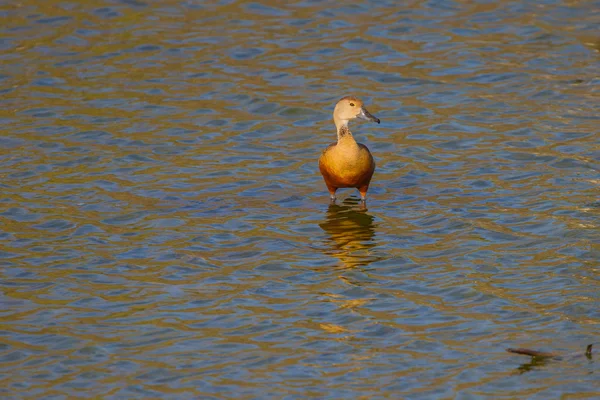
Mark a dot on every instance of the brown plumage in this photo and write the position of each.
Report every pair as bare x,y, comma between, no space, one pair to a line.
347,163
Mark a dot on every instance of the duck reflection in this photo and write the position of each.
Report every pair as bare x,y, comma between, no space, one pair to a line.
351,234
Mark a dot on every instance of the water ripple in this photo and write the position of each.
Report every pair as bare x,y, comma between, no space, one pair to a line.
164,231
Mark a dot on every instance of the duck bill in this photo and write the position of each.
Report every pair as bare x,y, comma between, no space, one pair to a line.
367,116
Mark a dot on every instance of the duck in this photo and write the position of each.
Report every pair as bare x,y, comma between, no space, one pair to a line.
346,163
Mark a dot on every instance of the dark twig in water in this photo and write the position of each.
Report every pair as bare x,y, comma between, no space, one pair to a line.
542,354
532,353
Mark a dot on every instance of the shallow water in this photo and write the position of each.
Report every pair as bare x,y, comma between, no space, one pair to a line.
165,232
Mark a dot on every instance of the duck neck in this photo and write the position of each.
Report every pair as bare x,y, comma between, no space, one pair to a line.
343,133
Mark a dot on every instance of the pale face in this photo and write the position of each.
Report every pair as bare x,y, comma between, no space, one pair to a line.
350,108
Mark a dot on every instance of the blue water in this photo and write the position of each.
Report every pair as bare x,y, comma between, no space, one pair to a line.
165,231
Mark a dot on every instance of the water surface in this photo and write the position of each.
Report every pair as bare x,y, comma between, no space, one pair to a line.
165,232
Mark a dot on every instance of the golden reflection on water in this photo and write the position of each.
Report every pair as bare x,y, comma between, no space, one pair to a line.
350,234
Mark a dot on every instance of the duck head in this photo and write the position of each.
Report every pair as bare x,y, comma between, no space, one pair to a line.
349,108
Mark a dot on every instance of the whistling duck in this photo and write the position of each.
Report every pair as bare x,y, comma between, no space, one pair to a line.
347,163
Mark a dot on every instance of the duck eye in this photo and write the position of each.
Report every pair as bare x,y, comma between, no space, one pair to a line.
351,104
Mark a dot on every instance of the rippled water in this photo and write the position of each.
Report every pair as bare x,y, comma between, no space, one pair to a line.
165,232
